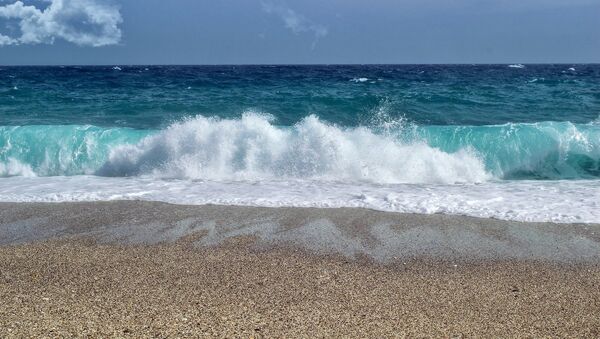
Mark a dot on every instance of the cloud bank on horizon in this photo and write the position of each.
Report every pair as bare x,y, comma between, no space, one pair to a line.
82,22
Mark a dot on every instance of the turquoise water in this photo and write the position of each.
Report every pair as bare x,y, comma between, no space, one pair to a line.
530,122
547,150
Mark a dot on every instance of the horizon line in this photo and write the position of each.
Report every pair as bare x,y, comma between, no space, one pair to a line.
305,64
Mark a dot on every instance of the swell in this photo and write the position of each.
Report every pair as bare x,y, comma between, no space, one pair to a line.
543,150
254,148
51,150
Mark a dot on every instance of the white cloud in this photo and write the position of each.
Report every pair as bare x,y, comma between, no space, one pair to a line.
295,22
82,22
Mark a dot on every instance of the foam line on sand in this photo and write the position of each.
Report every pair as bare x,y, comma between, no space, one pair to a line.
350,232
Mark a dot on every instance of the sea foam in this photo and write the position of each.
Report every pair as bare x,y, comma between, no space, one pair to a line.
13,167
521,200
390,166
253,148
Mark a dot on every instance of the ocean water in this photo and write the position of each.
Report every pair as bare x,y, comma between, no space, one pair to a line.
516,142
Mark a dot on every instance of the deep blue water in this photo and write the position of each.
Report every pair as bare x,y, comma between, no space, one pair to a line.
154,96
530,122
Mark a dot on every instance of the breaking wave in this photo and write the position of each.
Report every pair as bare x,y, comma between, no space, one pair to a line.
254,148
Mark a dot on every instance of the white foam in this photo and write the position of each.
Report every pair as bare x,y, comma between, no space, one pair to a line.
516,66
252,148
360,80
556,201
13,167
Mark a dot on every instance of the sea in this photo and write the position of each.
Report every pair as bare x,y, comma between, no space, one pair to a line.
513,142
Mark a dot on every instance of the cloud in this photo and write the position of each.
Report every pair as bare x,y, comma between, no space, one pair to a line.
82,22
295,22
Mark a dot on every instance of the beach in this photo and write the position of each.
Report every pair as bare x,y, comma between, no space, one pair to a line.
292,169
130,268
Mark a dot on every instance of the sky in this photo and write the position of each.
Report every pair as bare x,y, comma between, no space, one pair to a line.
50,32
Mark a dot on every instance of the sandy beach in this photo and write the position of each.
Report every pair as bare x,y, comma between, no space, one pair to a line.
131,269
299,169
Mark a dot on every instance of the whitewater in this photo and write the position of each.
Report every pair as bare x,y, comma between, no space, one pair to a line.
496,171
514,142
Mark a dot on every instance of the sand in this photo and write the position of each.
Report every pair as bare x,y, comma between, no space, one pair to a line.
133,269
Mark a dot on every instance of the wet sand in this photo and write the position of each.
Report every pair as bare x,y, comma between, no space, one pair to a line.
152,269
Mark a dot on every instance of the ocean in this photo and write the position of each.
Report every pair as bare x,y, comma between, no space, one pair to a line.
513,142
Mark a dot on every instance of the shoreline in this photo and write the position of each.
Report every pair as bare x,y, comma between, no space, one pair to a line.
559,201
130,269
350,232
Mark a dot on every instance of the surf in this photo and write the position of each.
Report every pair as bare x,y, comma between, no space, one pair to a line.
255,148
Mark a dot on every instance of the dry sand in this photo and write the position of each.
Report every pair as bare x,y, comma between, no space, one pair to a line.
82,269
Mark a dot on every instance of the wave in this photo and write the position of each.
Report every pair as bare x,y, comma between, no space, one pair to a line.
254,148
543,150
50,150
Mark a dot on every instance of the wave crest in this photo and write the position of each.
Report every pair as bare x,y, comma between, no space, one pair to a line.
252,148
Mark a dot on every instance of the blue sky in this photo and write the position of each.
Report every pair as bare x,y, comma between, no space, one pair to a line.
298,31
